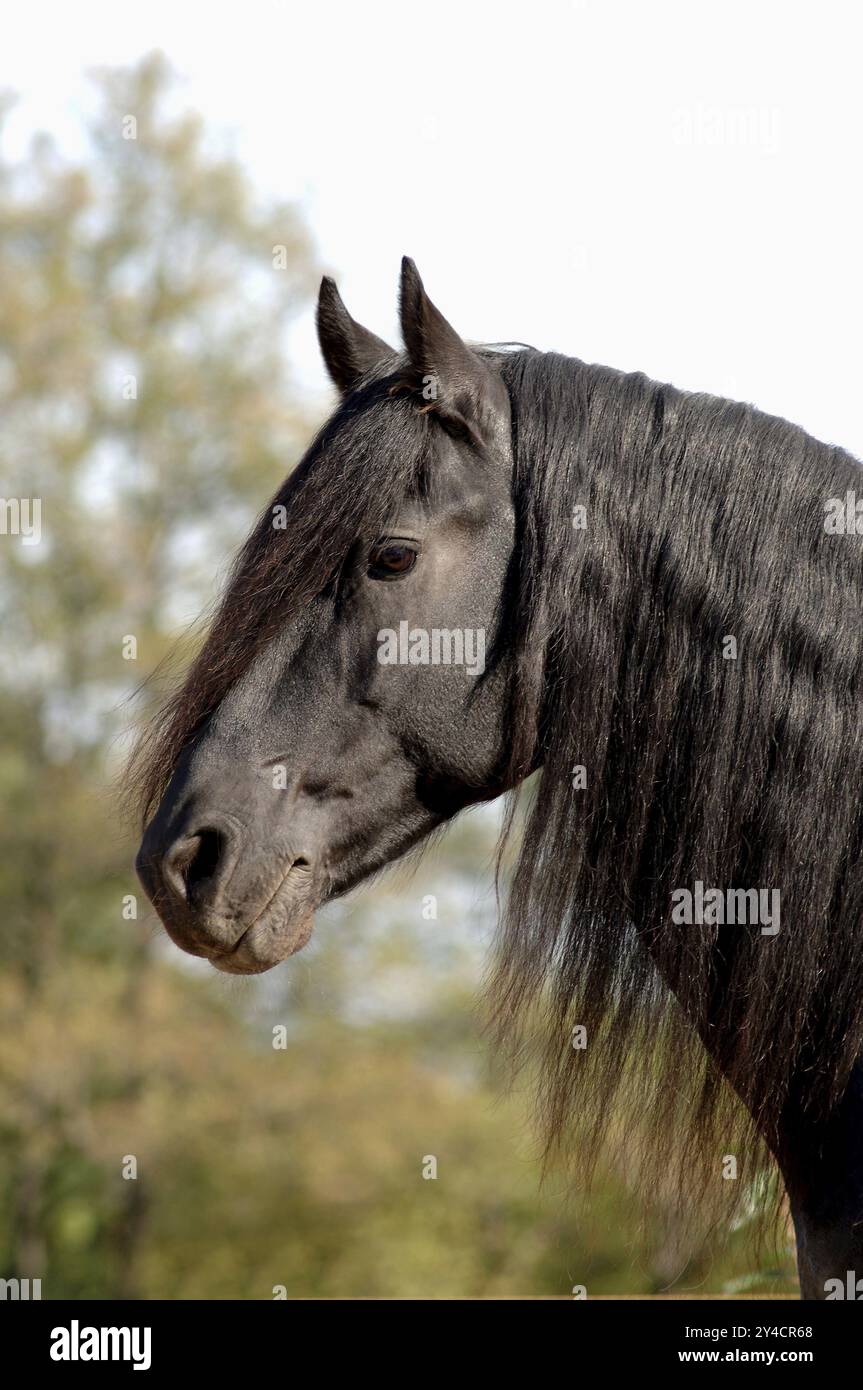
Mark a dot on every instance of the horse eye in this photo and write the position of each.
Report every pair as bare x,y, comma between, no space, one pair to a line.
391,559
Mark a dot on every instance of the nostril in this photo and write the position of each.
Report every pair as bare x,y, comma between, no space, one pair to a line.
205,860
193,861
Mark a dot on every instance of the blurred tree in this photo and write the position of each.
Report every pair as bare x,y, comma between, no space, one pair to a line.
145,403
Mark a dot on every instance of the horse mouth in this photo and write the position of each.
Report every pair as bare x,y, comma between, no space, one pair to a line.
264,945
274,930
280,928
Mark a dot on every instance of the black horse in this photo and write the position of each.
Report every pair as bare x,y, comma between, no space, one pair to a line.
496,561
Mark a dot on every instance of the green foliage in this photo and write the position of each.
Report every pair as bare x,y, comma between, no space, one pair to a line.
144,399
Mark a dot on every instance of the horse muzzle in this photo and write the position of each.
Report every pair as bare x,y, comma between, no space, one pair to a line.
225,900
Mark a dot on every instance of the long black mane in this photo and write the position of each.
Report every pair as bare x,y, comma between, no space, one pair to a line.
704,520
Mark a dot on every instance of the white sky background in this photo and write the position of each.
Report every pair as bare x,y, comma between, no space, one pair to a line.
668,186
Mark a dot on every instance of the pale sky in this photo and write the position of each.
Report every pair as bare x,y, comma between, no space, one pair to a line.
670,186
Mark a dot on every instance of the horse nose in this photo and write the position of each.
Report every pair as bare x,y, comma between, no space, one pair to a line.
196,866
187,872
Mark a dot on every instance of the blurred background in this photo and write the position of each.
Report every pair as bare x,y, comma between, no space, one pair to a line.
619,182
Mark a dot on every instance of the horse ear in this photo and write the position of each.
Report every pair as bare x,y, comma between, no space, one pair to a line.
458,384
348,349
